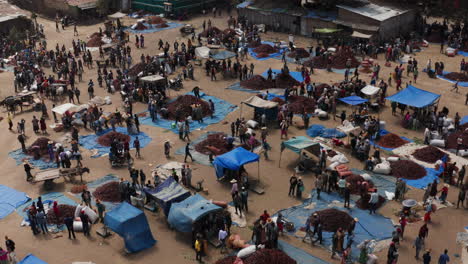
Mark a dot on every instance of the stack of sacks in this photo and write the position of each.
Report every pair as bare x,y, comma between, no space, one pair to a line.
234,242
343,170
384,166
320,113
336,160
93,217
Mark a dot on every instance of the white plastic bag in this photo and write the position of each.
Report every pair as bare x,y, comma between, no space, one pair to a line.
382,168
393,158
437,142
245,252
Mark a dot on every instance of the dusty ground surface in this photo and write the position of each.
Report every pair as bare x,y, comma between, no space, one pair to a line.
173,247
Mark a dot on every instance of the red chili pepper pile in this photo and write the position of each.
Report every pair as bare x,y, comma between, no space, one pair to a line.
214,143
318,62
182,106
452,138
65,210
300,52
140,26
355,182
257,82
262,55
42,143
278,100
340,58
391,140
136,69
265,48
211,32
285,81
457,76
332,219
299,104
428,154
78,188
407,169
108,138
363,202
155,20
162,25
108,192
95,41
262,256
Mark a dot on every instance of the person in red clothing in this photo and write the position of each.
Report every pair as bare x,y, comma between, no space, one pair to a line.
444,193
423,231
264,217
403,222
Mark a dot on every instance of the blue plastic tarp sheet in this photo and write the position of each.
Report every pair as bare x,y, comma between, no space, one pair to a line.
131,224
270,56
372,227
299,255
10,199
353,100
462,84
223,55
463,53
295,75
384,132
182,215
233,160
296,144
31,259
271,96
415,97
464,120
292,59
321,131
222,109
244,4
381,182
431,175
41,164
167,193
238,87
90,141
92,186
198,157
153,28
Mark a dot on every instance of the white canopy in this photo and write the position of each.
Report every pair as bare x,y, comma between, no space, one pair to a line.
152,78
256,101
61,109
117,15
202,52
370,90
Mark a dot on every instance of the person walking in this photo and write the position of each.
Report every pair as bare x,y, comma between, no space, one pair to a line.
244,195
222,234
444,258
374,199
85,221
86,198
392,254
69,224
167,148
292,184
137,122
198,249
427,257
300,188
187,153
142,178
347,196
418,245
101,209
41,220
237,200
10,246
136,145
22,139
318,186
461,196
27,169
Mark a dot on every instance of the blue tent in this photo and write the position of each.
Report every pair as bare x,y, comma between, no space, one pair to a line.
31,259
182,215
222,55
233,160
353,100
131,224
168,192
415,97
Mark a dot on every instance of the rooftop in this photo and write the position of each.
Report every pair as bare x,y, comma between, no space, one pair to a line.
374,11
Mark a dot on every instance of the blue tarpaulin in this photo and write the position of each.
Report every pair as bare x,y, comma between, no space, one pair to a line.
296,75
353,100
182,215
270,56
462,84
222,109
244,4
296,144
463,53
415,97
299,255
31,259
131,224
431,175
10,199
152,28
19,156
384,132
464,120
321,131
372,227
90,141
223,55
92,186
233,160
167,193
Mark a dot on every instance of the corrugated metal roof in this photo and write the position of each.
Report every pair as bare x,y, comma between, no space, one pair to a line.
9,17
379,13
82,4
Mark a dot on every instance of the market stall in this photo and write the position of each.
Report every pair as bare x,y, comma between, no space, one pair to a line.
269,108
415,97
167,193
302,145
233,161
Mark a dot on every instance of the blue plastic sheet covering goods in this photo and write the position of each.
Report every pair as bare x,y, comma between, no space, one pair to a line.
222,109
182,215
464,120
197,156
153,28
353,100
462,84
233,160
10,199
370,227
299,255
131,224
431,175
384,132
222,55
463,53
90,141
19,156
321,131
415,97
92,186
31,259
272,55
296,75
167,193
48,200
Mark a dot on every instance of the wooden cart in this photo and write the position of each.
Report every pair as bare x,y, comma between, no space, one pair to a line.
48,176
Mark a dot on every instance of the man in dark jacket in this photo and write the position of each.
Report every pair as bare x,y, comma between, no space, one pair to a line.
69,223
85,221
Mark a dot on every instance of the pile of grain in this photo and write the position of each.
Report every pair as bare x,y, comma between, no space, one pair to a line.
182,107
457,76
299,52
65,210
391,141
299,104
108,192
107,139
332,219
428,154
407,169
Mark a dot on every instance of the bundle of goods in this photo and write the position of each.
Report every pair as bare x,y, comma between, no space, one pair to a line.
265,48
428,154
457,76
407,169
95,41
136,69
355,182
64,210
155,20
41,145
332,219
182,107
107,139
318,62
299,52
257,82
341,57
391,140
299,104
211,32
108,192
259,256
342,169
140,26
213,144
78,188
363,202
285,80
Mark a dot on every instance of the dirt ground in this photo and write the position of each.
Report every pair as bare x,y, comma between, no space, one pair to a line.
173,247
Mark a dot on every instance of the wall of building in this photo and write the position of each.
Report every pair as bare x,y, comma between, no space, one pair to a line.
349,16
309,24
402,24
271,20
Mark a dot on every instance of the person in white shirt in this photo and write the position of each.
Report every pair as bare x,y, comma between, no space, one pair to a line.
222,238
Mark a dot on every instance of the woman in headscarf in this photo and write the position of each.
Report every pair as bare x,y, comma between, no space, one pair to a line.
56,213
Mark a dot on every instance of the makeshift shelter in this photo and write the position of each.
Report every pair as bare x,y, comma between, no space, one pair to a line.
202,52
353,100
131,224
117,15
61,109
300,143
222,55
167,193
370,90
269,108
415,97
184,214
234,160
31,259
